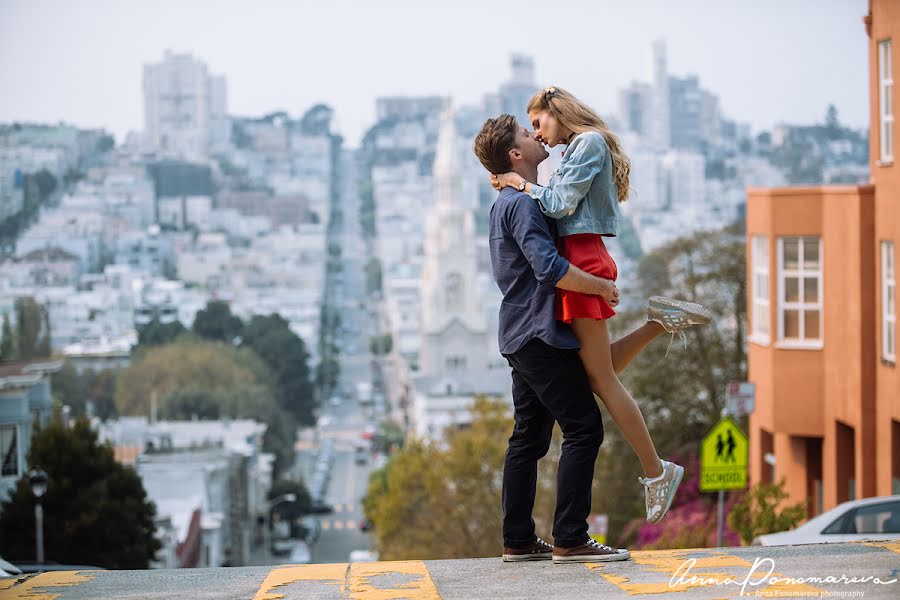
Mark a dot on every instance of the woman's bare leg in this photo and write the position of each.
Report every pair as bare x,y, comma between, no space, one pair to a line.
625,349
596,355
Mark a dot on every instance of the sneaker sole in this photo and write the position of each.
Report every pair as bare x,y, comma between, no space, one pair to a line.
526,557
679,475
700,315
590,558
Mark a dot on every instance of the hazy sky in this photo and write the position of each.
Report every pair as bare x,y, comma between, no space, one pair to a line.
769,60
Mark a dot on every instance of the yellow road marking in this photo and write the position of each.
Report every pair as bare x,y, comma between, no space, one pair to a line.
362,587
892,546
703,572
362,581
53,579
329,574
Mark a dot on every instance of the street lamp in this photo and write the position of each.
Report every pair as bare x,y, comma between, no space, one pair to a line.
38,480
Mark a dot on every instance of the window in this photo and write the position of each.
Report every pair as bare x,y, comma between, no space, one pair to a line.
800,292
885,101
760,265
876,518
888,303
455,363
9,451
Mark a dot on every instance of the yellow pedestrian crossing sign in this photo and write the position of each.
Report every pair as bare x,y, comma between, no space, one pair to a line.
723,458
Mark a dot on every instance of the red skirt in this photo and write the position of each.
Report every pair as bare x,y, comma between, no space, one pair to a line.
587,252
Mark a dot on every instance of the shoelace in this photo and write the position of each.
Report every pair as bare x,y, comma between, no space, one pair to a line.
541,542
683,337
598,546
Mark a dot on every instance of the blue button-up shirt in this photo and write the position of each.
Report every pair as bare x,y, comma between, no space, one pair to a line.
526,267
581,193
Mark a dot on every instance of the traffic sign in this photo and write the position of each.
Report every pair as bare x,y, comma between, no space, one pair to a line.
724,454
740,398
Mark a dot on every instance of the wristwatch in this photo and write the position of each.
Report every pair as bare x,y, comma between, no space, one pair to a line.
522,185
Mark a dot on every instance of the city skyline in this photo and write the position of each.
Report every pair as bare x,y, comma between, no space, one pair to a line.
757,84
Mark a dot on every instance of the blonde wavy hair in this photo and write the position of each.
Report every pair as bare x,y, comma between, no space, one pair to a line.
575,115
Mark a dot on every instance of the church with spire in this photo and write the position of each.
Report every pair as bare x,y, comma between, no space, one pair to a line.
458,356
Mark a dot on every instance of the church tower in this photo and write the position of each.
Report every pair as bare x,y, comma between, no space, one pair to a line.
450,292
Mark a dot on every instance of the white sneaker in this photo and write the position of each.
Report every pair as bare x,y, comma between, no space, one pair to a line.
676,315
660,491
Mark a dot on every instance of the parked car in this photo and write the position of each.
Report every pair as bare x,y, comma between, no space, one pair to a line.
312,527
363,556
282,546
361,454
866,519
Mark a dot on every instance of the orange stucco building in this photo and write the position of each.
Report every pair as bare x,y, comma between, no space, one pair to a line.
823,318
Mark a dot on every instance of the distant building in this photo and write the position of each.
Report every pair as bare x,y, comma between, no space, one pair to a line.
821,280
693,113
659,121
408,107
518,90
184,107
208,479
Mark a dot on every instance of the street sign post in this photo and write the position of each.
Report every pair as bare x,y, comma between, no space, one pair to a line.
724,457
740,398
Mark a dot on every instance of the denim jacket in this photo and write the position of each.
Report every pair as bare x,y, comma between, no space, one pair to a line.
585,174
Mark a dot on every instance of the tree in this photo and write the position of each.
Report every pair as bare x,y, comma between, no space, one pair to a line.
31,325
155,333
423,486
757,513
381,344
681,396
96,511
192,377
389,437
89,393
215,322
7,340
291,510
46,183
284,352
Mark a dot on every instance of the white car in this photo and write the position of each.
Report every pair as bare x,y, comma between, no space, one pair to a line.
866,519
363,556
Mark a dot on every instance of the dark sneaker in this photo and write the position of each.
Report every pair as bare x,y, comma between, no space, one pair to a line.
538,550
592,551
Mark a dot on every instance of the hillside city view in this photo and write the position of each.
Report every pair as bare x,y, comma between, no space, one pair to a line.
234,340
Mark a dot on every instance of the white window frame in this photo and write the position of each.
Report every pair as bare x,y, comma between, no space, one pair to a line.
761,332
888,286
885,102
800,343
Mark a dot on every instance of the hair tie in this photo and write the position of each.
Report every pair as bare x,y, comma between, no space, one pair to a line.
550,91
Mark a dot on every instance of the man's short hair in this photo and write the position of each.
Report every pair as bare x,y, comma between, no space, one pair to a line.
493,143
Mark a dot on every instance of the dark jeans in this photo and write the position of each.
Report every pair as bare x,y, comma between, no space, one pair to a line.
549,384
